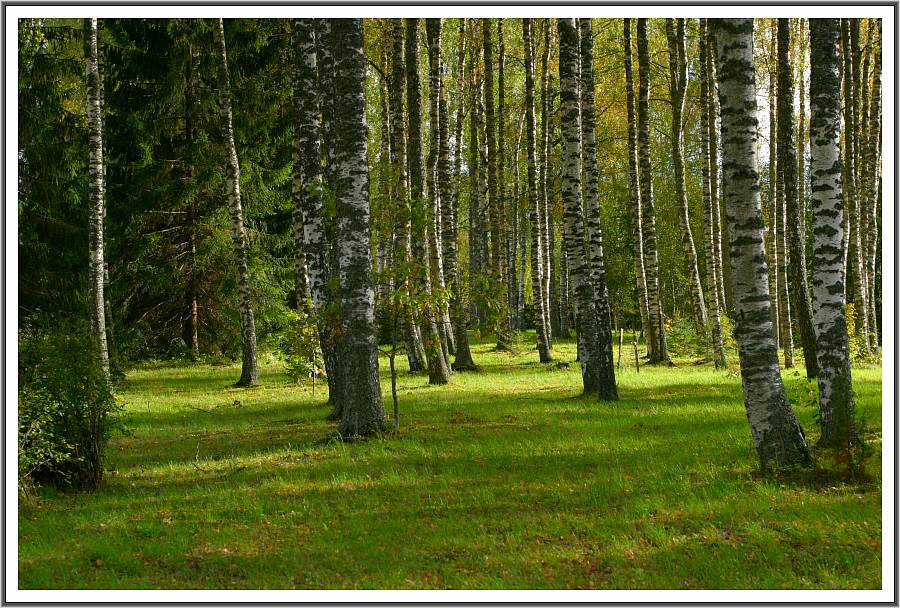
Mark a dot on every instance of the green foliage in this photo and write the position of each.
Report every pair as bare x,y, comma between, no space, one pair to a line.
299,345
683,339
65,407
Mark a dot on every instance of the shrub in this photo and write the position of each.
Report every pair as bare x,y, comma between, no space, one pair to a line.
299,344
65,407
682,339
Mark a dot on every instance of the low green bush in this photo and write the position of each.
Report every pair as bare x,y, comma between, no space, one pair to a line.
65,407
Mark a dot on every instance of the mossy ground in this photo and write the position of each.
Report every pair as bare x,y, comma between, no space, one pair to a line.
506,478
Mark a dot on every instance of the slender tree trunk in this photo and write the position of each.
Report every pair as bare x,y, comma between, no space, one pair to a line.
448,214
787,166
720,229
777,435
249,366
634,175
507,207
463,356
329,315
306,115
193,309
659,351
591,354
551,313
772,236
873,173
362,407
438,369
710,212
836,403
496,193
607,389
678,82
436,188
97,199
537,264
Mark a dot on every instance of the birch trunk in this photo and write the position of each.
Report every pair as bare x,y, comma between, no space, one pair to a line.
720,230
659,351
634,175
590,353
437,190
249,366
362,407
836,401
607,389
97,201
787,167
874,179
706,160
546,221
777,435
678,82
537,264
463,357
438,367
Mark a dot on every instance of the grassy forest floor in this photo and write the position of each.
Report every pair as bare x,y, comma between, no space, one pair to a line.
504,479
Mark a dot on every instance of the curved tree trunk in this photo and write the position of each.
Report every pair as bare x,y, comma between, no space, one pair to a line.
608,390
537,264
634,175
97,200
362,408
836,406
249,366
776,432
787,167
438,370
659,351
590,354
678,83
709,220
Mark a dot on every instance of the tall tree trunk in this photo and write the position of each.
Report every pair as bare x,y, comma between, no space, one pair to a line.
249,366
772,236
836,404
678,82
438,370
463,356
307,134
590,353
608,390
496,193
787,167
362,408
537,264
635,188
507,206
720,230
329,316
710,212
415,352
873,173
547,226
436,186
97,199
659,351
777,435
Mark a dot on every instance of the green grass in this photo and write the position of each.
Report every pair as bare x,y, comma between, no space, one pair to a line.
504,479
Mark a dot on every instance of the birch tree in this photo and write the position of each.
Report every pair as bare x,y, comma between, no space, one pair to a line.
787,168
607,388
678,83
362,408
97,200
836,401
537,264
777,435
249,366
